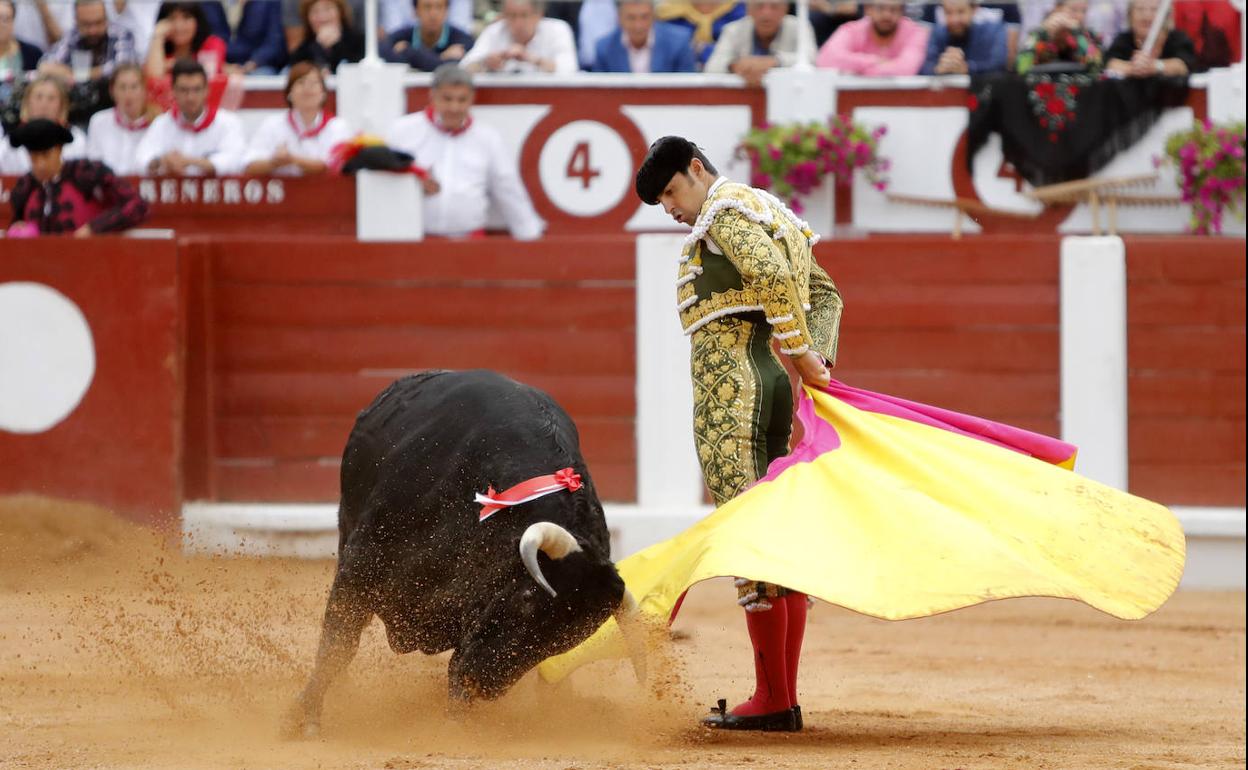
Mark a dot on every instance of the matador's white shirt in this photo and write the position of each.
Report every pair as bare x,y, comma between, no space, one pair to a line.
314,141
114,141
218,138
472,169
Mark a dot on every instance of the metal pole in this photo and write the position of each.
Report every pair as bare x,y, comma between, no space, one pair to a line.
1154,31
370,32
805,56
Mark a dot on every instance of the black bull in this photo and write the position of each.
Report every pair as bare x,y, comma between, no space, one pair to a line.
505,593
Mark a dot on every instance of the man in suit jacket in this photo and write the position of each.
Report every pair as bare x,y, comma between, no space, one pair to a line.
767,37
964,45
641,45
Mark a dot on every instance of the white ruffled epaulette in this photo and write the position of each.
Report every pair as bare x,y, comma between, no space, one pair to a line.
703,224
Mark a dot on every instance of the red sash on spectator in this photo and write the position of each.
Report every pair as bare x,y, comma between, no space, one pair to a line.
199,124
433,118
322,120
143,122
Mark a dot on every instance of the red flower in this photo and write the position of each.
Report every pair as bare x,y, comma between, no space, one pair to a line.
1045,90
1053,138
1044,122
1073,90
1055,106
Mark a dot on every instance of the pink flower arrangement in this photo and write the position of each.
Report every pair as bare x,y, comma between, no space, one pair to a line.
1210,162
793,160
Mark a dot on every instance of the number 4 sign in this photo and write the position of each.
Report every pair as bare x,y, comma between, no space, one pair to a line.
585,168
578,165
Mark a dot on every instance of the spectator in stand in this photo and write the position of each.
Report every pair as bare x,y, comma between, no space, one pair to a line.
1104,19
330,37
1214,27
114,134
16,56
47,98
298,141
467,163
641,45
182,31
391,15
254,31
1062,40
705,20
884,42
524,41
192,139
77,196
1173,53
827,16
590,20
767,37
108,45
964,45
1005,13
42,22
428,43
137,16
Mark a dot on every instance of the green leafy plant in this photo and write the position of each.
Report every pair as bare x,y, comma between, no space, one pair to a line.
1210,162
792,159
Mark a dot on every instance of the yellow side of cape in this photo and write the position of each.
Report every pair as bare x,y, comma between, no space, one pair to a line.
905,520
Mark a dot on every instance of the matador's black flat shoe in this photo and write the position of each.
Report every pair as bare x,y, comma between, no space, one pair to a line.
776,722
797,717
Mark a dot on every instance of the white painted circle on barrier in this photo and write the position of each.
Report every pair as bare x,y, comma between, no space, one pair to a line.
47,357
585,168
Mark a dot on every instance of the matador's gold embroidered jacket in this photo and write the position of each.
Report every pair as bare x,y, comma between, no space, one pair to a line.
749,254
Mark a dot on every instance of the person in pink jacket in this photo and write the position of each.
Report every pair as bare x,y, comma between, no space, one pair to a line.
883,42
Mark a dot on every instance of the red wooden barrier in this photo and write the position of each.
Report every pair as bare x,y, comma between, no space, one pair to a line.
121,446
970,325
292,337
319,205
1185,356
286,338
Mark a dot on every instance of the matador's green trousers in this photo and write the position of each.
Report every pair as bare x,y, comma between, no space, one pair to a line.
742,415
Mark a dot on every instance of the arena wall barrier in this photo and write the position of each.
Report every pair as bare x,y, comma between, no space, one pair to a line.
290,337
1185,364
286,338
91,372
323,205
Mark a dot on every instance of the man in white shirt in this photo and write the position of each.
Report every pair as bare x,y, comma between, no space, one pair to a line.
42,22
192,139
524,41
467,160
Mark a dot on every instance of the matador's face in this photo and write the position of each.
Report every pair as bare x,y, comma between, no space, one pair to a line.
684,195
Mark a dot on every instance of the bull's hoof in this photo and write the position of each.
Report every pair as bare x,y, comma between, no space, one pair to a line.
297,724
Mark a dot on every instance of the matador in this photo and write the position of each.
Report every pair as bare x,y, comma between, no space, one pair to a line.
747,288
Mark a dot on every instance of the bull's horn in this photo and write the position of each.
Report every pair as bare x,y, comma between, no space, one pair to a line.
628,618
552,540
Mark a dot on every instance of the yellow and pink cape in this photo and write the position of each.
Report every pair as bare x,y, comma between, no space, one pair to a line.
901,510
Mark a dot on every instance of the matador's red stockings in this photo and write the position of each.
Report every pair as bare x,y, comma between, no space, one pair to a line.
776,636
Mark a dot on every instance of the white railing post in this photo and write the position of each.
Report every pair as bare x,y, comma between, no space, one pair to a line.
1094,355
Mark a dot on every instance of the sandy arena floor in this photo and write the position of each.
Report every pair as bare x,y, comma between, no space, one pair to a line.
118,653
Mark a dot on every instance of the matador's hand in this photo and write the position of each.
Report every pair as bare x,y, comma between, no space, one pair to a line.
812,369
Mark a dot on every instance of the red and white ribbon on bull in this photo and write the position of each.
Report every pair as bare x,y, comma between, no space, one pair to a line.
492,502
